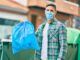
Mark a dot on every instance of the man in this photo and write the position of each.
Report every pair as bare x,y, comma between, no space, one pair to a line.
52,37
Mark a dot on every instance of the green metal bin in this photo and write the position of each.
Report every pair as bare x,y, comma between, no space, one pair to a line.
73,38
22,55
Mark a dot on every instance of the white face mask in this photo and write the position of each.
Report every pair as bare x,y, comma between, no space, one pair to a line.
49,15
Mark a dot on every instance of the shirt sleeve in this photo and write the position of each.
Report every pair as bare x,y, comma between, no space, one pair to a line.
62,42
38,31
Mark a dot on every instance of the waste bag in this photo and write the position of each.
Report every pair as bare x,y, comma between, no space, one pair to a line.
26,46
23,37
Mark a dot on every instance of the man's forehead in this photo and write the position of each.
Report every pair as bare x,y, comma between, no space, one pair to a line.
50,7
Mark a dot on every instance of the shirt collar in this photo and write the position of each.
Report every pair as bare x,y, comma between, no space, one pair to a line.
54,21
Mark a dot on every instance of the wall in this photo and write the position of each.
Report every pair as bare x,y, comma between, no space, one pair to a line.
67,7
39,13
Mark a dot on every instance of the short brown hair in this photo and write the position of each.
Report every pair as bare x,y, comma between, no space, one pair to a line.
54,6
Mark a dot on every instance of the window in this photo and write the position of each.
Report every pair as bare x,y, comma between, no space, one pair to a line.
64,22
8,22
51,0
78,2
33,18
6,26
76,22
72,1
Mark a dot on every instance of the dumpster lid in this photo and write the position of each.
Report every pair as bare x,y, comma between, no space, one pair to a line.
73,35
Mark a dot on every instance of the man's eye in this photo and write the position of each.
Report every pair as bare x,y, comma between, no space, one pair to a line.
49,10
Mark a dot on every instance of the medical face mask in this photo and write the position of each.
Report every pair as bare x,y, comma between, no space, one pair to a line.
49,15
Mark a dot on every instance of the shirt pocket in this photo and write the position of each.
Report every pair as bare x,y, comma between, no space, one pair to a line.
53,32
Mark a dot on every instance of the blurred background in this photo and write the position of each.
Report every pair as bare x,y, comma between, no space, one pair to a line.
14,11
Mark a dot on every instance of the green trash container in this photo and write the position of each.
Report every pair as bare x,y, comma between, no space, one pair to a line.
71,52
79,47
73,45
22,55
1,50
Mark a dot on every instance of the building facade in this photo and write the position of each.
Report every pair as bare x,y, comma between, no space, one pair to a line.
67,11
10,14
14,11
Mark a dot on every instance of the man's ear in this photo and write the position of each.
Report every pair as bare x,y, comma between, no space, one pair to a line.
55,13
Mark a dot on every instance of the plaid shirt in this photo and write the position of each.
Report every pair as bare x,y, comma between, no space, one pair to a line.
57,41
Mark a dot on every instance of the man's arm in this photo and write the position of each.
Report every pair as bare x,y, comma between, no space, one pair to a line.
62,42
38,31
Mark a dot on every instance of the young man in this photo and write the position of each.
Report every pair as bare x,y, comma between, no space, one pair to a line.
52,37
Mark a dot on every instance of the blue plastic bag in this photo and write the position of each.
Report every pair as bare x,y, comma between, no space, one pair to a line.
23,37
